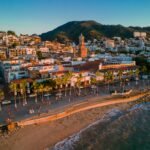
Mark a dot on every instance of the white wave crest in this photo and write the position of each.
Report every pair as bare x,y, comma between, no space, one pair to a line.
143,106
67,144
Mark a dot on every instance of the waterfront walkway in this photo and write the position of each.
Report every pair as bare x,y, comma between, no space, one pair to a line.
92,103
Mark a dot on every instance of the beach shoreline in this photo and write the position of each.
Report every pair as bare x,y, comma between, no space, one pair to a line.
47,134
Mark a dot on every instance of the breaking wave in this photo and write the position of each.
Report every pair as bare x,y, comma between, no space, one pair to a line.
117,129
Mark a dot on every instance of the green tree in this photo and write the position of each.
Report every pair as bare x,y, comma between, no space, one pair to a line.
94,84
78,83
58,81
59,84
120,74
35,86
14,45
97,73
1,98
144,69
109,78
93,81
47,89
23,86
14,89
51,83
70,76
65,80
39,55
141,61
131,73
105,77
9,32
41,90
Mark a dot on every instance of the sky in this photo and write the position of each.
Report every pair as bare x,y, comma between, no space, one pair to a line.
38,16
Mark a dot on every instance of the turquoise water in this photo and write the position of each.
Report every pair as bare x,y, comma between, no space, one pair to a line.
117,130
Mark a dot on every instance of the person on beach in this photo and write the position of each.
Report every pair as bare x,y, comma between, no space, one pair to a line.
39,110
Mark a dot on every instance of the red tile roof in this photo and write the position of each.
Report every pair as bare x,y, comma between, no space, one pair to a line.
20,80
89,66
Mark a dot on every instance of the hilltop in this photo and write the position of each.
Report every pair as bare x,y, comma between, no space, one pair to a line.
91,29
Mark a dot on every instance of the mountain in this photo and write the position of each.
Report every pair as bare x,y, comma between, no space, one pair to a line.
90,29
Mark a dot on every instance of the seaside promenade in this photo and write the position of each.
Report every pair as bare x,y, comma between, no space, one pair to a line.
83,106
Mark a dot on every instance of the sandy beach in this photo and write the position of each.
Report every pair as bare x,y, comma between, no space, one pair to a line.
46,135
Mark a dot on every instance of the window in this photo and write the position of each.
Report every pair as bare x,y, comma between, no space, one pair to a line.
21,73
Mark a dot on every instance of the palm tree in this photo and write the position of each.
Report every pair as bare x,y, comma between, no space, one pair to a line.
137,71
70,76
107,77
78,83
35,86
13,88
65,82
1,98
131,73
111,76
98,74
23,86
120,74
94,82
59,82
41,90
51,83
47,89
144,69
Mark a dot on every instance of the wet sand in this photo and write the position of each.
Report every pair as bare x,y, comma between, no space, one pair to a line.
46,135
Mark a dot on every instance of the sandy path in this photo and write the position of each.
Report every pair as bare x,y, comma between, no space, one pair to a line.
37,137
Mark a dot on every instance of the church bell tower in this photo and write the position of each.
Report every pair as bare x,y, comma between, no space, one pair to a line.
82,48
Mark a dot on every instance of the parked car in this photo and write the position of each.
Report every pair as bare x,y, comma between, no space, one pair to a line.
32,95
46,95
5,102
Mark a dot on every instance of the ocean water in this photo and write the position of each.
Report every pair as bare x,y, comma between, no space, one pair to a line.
116,130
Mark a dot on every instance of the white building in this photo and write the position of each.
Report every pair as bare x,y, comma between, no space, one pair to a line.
15,74
140,34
